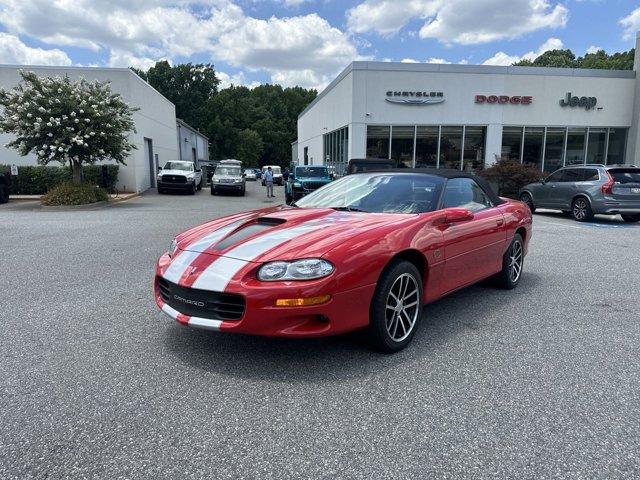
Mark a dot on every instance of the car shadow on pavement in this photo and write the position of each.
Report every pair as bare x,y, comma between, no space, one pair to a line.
598,219
341,357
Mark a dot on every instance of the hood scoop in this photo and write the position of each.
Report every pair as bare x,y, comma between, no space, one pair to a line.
247,230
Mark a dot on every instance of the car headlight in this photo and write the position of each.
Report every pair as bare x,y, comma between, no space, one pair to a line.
306,269
215,180
238,180
173,247
297,185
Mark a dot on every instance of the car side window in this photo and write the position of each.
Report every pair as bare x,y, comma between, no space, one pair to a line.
555,177
590,175
572,175
465,193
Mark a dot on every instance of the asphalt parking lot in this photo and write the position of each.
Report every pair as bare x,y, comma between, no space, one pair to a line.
95,382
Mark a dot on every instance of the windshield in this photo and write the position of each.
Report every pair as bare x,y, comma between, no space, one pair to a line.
248,171
274,170
625,175
378,193
186,166
312,172
230,171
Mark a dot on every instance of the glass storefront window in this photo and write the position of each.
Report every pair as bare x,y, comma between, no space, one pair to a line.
511,143
378,141
402,146
596,145
473,156
532,151
553,149
336,146
450,145
617,141
427,147
575,146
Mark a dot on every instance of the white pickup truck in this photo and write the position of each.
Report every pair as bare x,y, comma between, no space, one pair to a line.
179,175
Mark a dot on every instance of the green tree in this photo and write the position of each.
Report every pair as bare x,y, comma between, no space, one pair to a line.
68,122
566,59
188,86
552,58
249,147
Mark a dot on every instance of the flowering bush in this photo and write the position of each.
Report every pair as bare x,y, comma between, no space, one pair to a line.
509,176
73,123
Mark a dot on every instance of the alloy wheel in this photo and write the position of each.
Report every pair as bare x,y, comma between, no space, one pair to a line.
515,261
402,307
580,209
526,198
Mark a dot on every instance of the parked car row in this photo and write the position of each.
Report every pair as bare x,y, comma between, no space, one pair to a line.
583,191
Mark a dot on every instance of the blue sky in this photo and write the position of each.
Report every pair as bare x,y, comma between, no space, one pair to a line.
306,42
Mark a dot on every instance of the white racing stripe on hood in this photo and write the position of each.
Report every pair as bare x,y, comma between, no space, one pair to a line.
179,264
212,238
218,275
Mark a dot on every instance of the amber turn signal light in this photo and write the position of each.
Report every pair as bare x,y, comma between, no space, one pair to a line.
302,302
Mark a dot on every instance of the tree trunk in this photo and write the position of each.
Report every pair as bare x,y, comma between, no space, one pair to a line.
77,172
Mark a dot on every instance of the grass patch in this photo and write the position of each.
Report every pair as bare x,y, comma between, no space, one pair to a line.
69,193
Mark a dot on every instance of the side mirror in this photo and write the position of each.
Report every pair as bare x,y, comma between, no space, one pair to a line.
244,175
457,215
159,168
543,181
198,169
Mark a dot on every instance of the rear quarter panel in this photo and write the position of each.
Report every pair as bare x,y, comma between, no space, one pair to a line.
517,216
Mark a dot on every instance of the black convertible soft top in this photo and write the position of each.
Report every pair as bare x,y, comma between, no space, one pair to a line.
448,174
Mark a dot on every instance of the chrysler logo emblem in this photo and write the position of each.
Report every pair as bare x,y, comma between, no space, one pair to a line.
414,98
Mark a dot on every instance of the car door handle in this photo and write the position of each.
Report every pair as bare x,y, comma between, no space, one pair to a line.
500,222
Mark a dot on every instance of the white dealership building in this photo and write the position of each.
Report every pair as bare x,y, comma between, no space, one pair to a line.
159,137
467,116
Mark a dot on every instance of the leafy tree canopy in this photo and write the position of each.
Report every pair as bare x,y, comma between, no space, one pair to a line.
186,85
59,120
566,59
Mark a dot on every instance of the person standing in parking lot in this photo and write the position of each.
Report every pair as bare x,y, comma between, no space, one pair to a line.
268,181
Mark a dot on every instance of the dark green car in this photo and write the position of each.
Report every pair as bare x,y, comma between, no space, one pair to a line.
304,180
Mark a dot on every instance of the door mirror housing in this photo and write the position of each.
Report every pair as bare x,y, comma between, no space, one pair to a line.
159,168
457,215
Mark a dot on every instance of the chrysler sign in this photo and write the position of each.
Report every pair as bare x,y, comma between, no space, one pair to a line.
503,99
414,98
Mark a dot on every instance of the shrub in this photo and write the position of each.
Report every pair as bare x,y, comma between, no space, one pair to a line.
38,180
70,193
509,176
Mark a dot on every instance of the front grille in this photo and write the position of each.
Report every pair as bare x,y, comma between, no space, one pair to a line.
312,185
217,305
174,179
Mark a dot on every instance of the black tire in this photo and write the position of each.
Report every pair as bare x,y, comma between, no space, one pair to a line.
4,194
242,192
213,191
287,198
631,218
200,185
507,278
160,191
581,210
193,189
528,200
384,323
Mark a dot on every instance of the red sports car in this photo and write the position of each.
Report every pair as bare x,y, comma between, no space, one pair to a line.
364,252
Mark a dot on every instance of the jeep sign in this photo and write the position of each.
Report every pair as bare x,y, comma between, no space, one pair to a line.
584,102
514,100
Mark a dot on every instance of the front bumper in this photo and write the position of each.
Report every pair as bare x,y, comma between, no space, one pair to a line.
175,186
345,311
229,187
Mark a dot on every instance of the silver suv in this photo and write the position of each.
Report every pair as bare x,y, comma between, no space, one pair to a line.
585,190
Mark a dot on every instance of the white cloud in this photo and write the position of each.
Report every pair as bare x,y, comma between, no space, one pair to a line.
458,21
438,60
409,60
631,24
501,58
386,17
13,50
305,49
593,49
237,79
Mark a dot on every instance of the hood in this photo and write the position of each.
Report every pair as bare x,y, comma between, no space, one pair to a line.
175,172
282,233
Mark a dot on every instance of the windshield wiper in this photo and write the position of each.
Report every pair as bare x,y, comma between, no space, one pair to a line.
349,209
